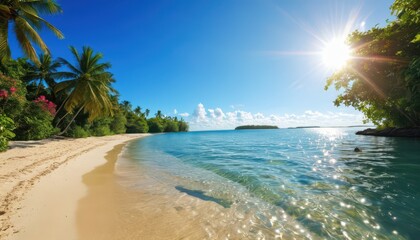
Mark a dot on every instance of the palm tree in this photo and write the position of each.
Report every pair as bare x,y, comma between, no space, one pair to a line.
45,71
137,111
147,112
89,87
158,114
126,106
24,14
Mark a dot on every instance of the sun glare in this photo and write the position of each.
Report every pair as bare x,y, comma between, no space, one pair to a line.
336,53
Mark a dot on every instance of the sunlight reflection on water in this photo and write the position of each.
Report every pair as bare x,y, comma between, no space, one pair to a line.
293,182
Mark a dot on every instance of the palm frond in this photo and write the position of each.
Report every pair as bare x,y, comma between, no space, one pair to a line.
45,6
24,41
63,75
4,45
75,53
69,65
64,86
34,18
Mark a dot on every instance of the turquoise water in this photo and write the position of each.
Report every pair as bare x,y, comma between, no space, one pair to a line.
305,183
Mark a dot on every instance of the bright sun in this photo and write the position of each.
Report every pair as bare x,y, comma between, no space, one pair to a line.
336,54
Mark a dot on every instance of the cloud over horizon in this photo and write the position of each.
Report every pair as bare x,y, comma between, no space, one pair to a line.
216,119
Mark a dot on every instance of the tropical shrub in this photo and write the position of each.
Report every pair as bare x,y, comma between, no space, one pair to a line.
46,105
100,127
78,132
12,96
6,127
139,125
183,126
136,123
34,123
117,125
171,126
155,125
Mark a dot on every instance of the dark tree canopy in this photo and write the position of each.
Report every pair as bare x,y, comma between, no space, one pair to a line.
382,79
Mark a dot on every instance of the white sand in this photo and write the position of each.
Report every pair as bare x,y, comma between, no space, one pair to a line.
41,183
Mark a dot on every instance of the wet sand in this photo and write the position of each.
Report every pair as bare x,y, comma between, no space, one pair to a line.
113,211
76,189
41,184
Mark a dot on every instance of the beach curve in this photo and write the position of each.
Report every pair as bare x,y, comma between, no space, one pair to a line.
35,173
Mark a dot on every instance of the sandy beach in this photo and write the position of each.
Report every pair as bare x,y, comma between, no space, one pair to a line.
41,184
68,189
76,189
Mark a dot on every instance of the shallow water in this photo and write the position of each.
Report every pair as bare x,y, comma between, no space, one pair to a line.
303,183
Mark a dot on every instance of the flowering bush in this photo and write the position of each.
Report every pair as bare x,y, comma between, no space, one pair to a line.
12,96
46,105
34,123
6,127
4,94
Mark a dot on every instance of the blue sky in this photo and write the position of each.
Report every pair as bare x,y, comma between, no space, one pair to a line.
221,62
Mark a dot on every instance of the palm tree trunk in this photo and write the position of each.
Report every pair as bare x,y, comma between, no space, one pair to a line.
61,119
71,121
39,87
62,104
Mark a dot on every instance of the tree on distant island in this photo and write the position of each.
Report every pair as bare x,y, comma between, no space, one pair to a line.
382,79
255,127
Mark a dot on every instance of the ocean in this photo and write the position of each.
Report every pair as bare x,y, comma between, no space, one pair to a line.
284,183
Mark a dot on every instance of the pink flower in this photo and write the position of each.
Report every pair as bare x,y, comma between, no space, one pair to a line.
46,105
4,93
12,90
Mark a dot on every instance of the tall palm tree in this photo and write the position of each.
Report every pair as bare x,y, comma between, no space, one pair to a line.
88,87
158,114
45,71
137,111
126,106
24,14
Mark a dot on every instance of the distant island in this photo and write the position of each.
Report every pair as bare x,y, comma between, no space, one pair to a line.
256,127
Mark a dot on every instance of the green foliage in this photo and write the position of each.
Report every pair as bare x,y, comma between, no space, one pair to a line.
16,69
12,104
25,16
34,123
41,77
382,80
6,127
155,125
78,132
118,123
137,125
101,127
88,85
183,126
256,127
171,126
407,11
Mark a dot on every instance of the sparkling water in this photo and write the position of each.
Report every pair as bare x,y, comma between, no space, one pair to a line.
303,183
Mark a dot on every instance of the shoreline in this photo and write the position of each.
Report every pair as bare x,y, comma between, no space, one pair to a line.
42,184
102,193
413,132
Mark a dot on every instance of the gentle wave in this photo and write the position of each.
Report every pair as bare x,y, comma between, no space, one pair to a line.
307,183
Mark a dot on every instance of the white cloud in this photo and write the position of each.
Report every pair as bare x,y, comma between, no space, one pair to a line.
175,111
199,114
215,118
